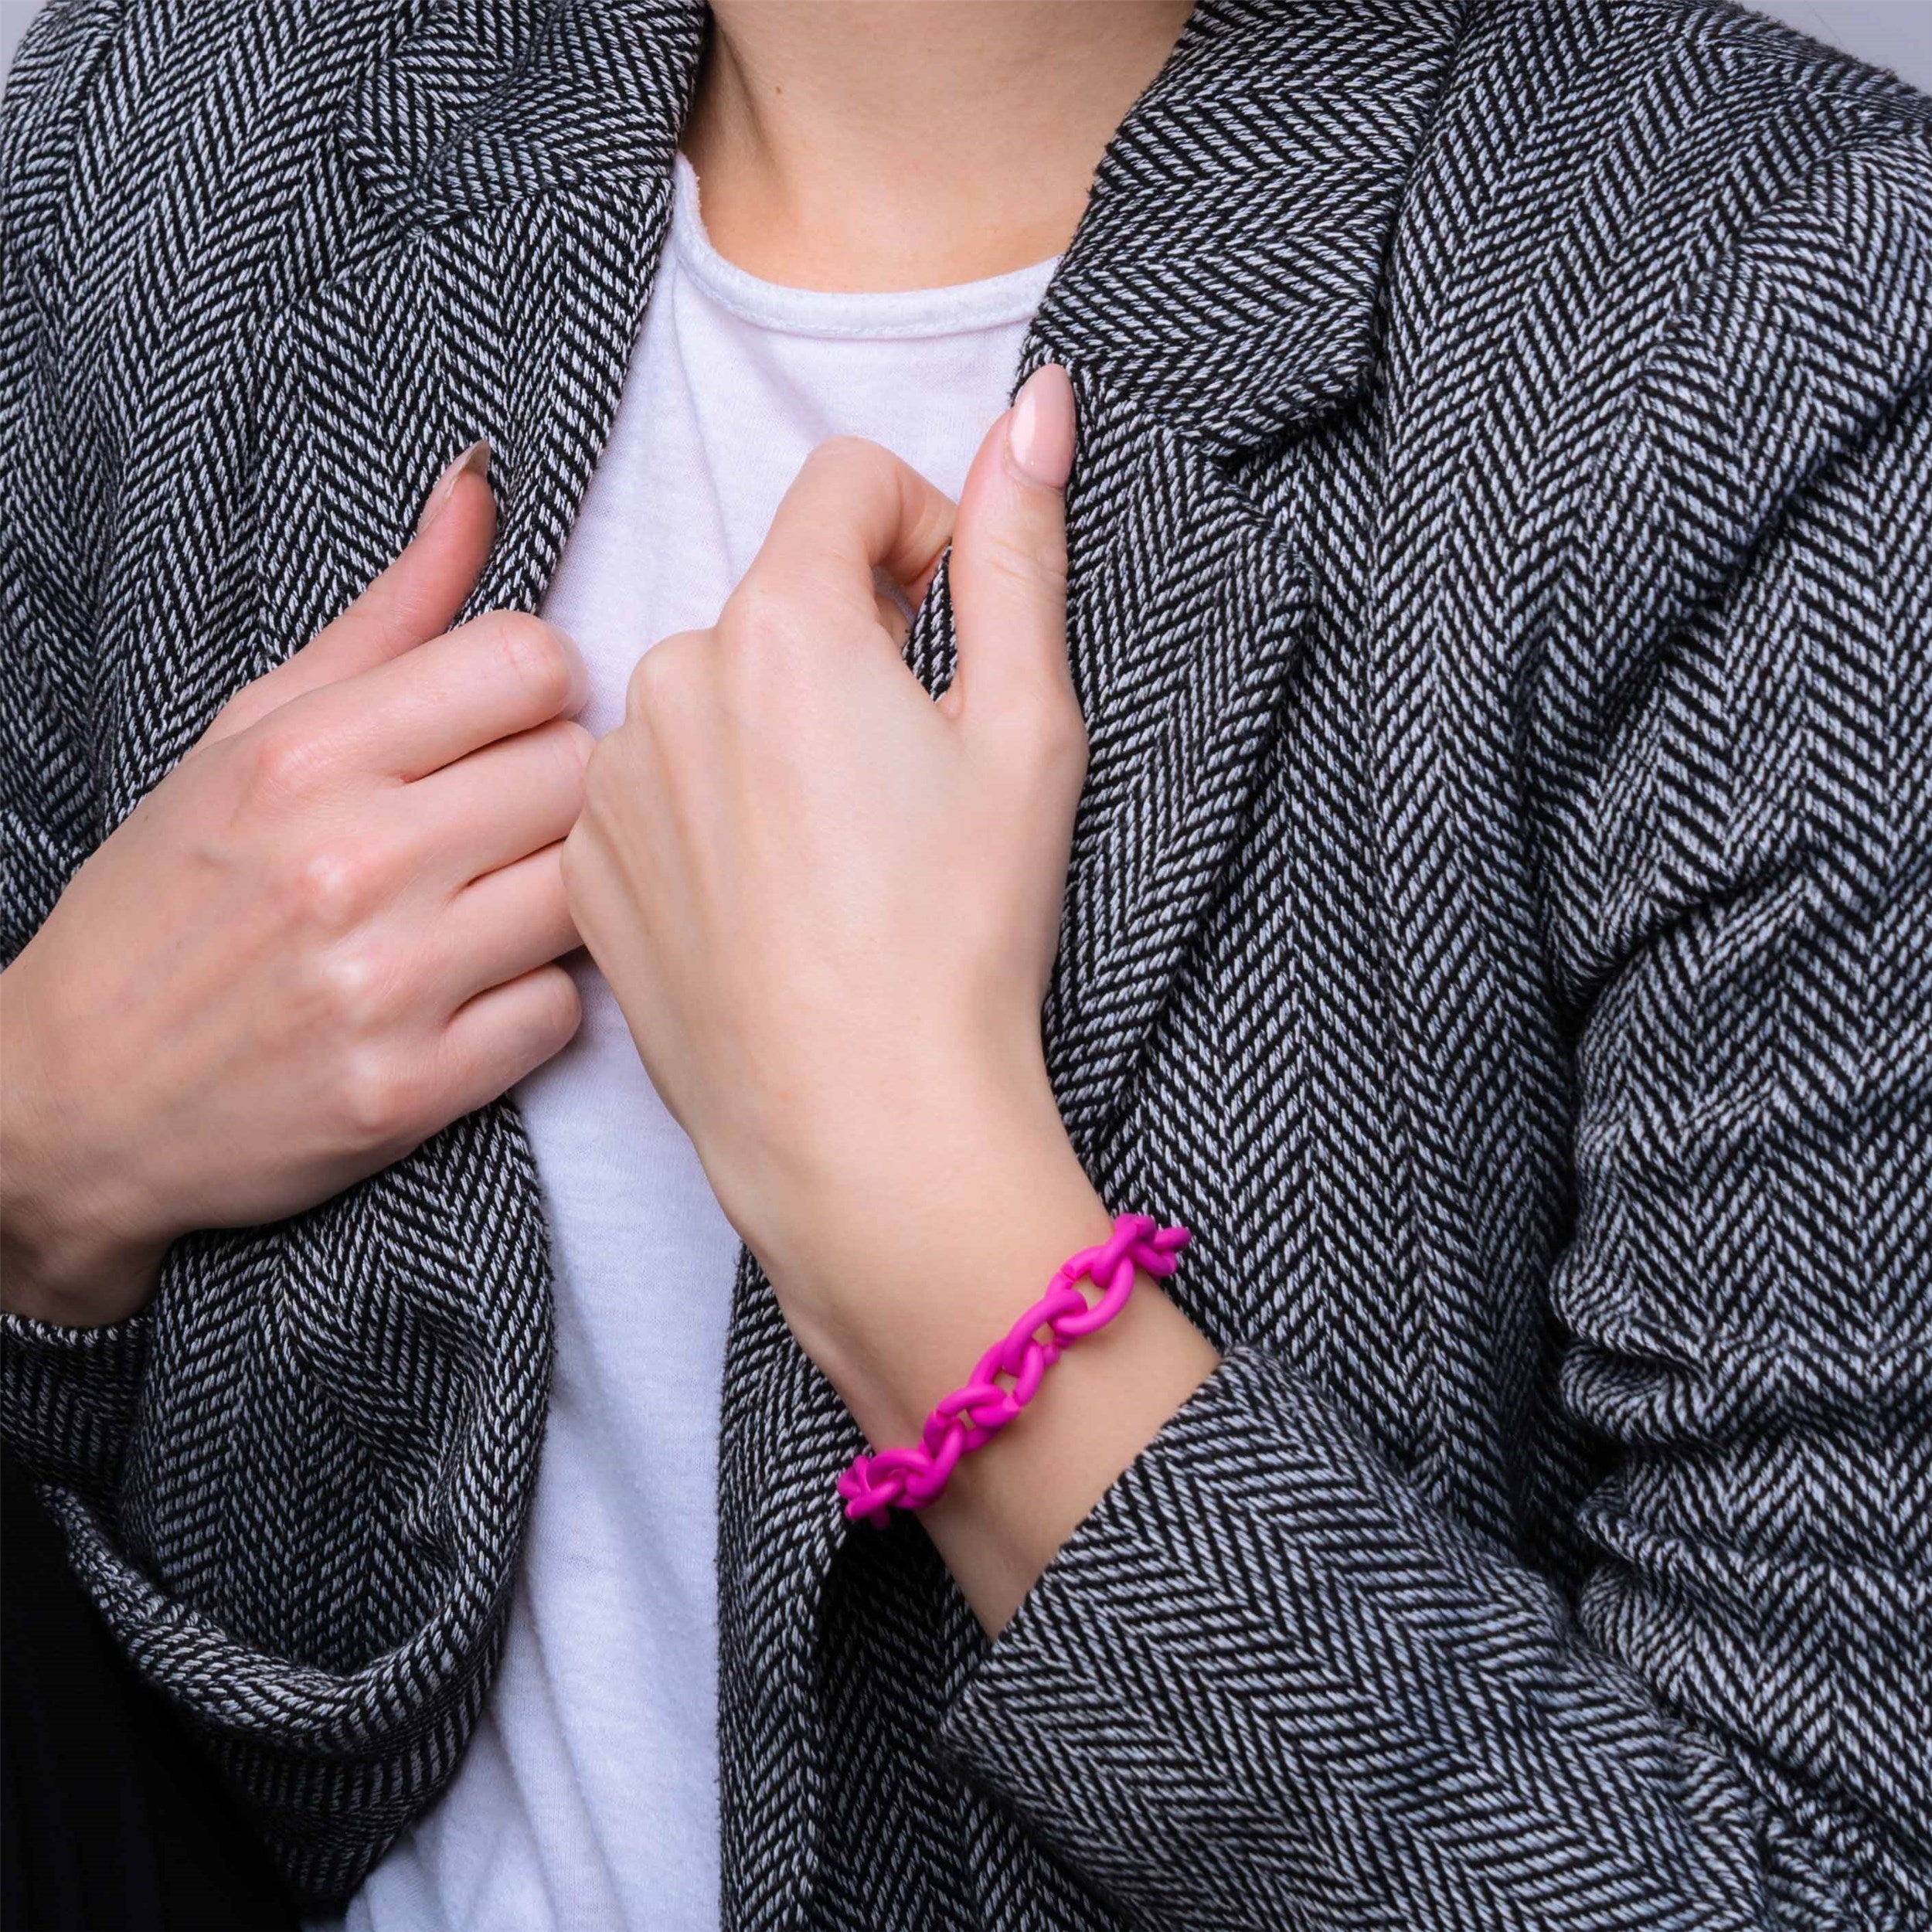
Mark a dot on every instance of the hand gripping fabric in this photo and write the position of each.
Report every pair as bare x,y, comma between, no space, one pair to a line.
972,1415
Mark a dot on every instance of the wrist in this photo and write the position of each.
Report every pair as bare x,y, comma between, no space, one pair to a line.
1015,1498
66,1256
988,1255
911,1246
1011,1505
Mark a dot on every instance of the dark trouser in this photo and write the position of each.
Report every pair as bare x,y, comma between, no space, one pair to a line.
109,1819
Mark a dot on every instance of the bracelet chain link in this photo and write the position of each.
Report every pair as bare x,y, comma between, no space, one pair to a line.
1009,1374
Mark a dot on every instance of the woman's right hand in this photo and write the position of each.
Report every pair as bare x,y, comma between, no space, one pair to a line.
330,931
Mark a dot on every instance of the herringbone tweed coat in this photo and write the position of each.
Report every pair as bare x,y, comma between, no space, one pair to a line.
1502,597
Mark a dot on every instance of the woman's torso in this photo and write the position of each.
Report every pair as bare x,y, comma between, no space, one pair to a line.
1350,642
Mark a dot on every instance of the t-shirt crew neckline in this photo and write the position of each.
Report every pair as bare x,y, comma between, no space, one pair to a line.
900,314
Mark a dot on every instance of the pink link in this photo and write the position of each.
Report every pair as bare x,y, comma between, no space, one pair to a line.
971,1416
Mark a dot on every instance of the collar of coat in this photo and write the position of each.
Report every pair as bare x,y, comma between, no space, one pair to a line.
1224,277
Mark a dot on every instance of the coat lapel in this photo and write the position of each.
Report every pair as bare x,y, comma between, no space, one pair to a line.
1183,611
521,159
1227,276
1220,295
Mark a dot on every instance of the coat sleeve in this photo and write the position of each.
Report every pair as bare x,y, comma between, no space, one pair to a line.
67,1399
66,1396
1267,1683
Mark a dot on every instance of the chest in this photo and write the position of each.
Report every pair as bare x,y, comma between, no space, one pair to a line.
1287,1008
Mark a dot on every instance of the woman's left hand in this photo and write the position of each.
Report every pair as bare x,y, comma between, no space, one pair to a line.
829,906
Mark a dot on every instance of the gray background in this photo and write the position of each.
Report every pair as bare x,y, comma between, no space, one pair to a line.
1894,33
1890,33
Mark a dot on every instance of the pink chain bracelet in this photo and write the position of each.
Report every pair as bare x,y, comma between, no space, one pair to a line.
971,1416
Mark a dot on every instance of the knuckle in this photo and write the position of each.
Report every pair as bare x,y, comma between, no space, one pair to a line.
281,765
235,716
328,888
570,748
381,1101
1056,736
571,861
356,987
558,1010
1032,562
661,674
527,1029
855,453
759,617
598,772
598,812
647,679
579,744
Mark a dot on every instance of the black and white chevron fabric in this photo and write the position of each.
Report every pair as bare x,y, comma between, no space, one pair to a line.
1499,923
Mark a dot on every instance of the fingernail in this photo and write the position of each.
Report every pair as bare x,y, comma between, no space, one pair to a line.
580,676
1040,428
476,457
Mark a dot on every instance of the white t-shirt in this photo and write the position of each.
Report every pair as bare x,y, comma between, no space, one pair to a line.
589,1797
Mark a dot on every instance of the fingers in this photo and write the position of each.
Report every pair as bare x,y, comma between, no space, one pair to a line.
417,598
501,803
493,1040
1008,566
507,923
853,509
502,674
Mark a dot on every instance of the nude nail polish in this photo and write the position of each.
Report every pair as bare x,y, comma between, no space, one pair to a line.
476,457
1039,431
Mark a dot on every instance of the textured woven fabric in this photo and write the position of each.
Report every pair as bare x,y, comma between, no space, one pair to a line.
1501,599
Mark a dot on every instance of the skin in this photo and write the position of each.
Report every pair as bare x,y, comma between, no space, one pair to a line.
827,906
912,143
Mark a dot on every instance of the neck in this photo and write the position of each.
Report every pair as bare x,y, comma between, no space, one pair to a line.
910,144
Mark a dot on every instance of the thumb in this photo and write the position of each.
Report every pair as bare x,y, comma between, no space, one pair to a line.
417,598
1009,564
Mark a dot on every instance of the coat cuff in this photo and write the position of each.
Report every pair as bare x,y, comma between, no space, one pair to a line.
67,1398
1191,1697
